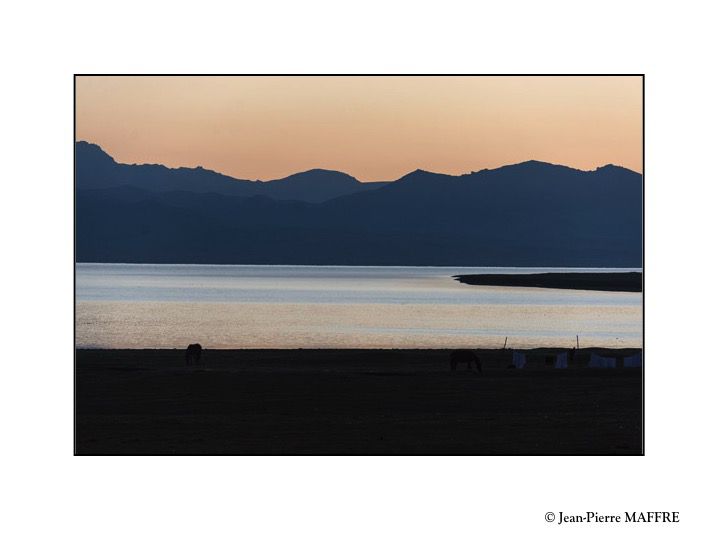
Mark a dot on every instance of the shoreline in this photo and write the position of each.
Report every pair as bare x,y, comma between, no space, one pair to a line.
588,281
335,350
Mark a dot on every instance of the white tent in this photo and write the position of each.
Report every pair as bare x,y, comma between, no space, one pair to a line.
519,360
597,361
561,361
633,361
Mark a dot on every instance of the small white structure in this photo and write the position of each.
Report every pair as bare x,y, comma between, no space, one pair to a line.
561,361
597,361
633,361
519,360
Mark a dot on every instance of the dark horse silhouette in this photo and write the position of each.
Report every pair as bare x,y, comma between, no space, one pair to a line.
193,354
464,356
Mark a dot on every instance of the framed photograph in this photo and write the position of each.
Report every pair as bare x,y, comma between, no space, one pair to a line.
359,264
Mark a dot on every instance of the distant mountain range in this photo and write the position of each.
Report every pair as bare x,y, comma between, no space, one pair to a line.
95,169
528,214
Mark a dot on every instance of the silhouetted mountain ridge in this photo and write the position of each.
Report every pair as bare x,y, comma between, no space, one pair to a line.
527,214
97,169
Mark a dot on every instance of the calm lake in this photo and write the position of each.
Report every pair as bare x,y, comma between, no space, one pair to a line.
223,306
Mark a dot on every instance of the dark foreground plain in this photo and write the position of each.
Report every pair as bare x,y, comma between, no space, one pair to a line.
589,281
352,402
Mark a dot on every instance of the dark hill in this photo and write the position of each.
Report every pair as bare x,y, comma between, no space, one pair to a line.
529,214
316,185
95,169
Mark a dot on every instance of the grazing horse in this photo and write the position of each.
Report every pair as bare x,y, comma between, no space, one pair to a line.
463,355
193,354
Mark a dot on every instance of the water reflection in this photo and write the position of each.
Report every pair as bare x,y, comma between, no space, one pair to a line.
290,307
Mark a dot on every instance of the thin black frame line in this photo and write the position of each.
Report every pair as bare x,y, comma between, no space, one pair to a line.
76,75
643,356
75,448
358,75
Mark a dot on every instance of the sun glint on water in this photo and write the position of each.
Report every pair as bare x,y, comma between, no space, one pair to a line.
224,306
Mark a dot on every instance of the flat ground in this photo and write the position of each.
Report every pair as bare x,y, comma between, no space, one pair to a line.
352,402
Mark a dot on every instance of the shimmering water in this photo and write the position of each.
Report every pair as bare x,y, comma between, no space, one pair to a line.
221,306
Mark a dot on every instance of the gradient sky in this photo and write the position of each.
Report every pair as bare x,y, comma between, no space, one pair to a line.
374,128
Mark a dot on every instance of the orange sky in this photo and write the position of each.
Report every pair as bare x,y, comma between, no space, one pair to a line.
374,128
